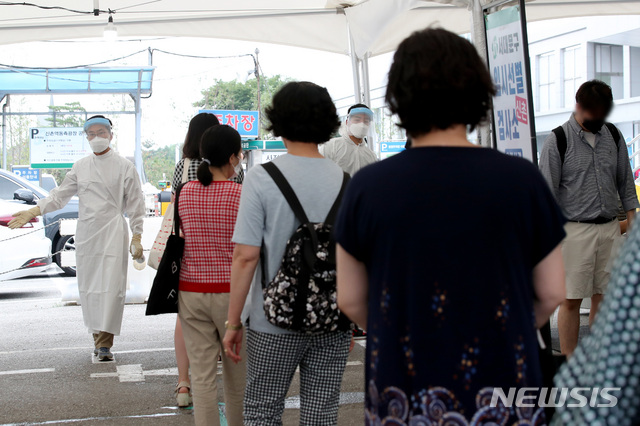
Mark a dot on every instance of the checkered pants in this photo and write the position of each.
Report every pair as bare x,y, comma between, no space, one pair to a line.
272,360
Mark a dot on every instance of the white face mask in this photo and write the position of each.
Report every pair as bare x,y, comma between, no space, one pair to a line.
236,170
359,130
99,144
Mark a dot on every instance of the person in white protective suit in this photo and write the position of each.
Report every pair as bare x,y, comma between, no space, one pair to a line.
107,186
350,150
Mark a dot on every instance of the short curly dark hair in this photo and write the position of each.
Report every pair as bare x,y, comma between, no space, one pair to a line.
596,97
303,112
438,80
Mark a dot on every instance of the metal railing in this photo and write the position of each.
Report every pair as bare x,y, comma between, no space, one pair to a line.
634,144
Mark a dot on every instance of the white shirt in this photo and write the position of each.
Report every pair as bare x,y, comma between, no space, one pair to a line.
350,156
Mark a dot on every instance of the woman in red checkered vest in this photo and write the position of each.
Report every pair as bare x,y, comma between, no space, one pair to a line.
208,208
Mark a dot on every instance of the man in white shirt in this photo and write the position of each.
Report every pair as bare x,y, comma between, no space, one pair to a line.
350,150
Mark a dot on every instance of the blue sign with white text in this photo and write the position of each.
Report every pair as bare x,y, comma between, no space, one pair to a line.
245,122
392,146
32,175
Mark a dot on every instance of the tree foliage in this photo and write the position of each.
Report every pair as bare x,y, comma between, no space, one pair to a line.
159,163
61,118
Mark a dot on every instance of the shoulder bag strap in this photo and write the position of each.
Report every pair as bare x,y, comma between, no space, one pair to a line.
185,170
176,213
561,141
331,217
615,133
287,191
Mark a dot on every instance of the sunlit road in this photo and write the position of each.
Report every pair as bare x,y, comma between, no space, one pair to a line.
48,376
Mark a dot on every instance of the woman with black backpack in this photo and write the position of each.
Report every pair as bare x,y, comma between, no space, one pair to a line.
283,232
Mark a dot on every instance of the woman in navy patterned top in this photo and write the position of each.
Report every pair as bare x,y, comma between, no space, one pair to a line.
449,254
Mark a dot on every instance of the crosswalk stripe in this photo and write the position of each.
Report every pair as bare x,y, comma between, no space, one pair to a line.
36,370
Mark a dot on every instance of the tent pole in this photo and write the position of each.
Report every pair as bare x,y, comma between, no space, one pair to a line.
355,66
478,37
366,88
137,154
7,103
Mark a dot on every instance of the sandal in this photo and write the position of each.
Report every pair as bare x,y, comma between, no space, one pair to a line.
184,399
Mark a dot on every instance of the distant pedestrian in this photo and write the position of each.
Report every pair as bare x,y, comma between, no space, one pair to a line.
451,312
586,163
351,150
208,209
304,115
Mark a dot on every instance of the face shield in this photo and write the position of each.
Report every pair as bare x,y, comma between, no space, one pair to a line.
359,123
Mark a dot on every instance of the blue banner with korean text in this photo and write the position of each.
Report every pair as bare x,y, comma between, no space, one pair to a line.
245,122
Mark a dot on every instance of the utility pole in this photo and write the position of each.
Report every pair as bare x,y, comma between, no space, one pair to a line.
257,73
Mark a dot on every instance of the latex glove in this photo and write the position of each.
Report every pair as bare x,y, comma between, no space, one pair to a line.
136,246
23,217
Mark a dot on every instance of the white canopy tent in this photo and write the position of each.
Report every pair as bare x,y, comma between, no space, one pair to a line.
375,26
359,28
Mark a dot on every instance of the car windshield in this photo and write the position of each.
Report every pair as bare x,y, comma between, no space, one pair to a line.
40,192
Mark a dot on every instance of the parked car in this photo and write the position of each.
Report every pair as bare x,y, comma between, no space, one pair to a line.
28,254
48,182
14,187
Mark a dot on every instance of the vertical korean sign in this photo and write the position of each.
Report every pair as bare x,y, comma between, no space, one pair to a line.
508,53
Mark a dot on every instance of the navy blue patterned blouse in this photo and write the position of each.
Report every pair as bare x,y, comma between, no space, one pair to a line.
449,237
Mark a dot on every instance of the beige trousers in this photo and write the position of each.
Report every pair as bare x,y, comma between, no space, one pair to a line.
103,340
203,316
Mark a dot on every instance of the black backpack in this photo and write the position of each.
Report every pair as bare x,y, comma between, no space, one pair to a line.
302,296
561,139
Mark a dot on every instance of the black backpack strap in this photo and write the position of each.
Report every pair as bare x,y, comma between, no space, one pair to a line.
561,141
287,191
331,217
615,133
176,213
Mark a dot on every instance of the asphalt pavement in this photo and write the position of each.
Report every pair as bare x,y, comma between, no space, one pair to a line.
48,374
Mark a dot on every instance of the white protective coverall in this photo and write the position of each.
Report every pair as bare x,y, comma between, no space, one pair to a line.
107,186
346,154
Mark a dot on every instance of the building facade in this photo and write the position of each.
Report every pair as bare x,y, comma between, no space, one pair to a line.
567,52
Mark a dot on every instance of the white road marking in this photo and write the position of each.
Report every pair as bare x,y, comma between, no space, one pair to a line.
36,370
362,342
134,351
84,348
93,419
138,373
130,373
162,372
14,301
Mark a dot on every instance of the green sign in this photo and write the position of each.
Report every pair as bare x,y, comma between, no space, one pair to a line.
263,145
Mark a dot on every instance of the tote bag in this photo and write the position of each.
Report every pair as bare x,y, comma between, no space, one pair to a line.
163,298
160,242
